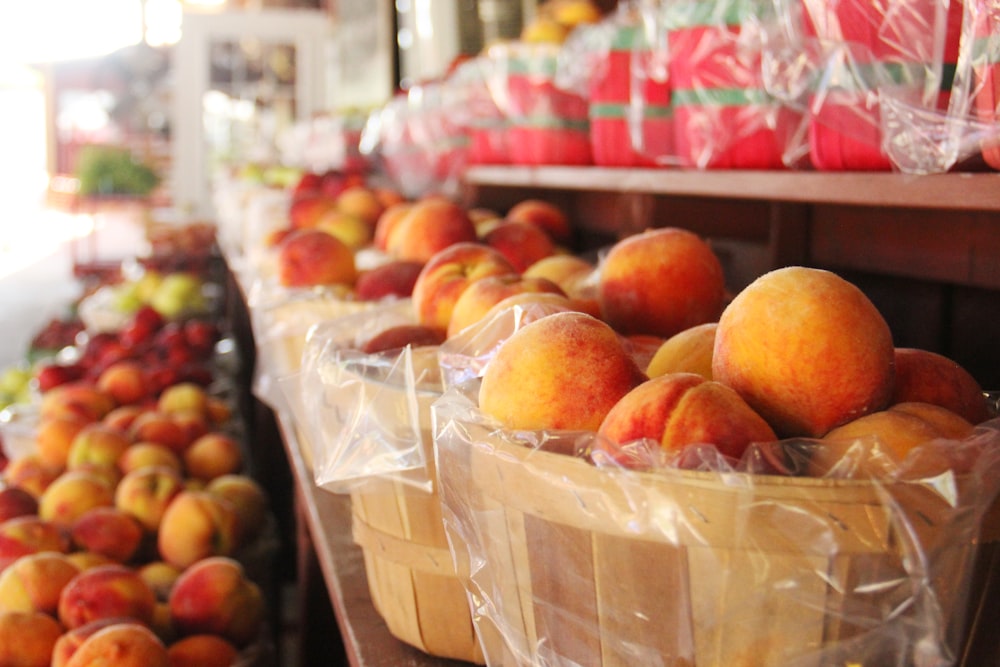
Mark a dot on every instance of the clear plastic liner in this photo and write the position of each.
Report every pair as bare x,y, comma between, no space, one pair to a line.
573,560
474,111
415,142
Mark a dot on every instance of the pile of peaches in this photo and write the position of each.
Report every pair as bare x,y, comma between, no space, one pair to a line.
652,353
124,533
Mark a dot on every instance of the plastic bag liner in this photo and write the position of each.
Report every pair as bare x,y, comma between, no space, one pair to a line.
572,564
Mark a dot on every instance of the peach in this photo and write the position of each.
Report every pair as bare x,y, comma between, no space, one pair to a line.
202,651
193,425
876,442
214,596
570,272
484,219
392,279
25,535
84,560
347,228
70,640
34,582
54,436
143,454
248,499
125,381
545,215
106,591
361,202
122,644
680,409
15,501
31,473
446,275
161,576
687,351
27,638
304,211
311,257
155,426
97,444
183,398
573,366
481,295
146,493
122,416
522,243
928,377
108,531
429,226
660,282
76,399
219,410
806,349
73,493
197,525
399,336
212,455
387,222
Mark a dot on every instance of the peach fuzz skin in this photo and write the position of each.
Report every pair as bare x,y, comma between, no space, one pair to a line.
573,366
427,227
806,349
929,377
688,351
680,409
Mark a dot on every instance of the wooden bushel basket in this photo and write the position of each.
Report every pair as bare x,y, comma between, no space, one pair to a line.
582,566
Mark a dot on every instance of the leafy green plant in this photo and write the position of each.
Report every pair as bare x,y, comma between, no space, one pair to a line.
112,170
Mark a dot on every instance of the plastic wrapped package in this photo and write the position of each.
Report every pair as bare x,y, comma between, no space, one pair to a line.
978,63
874,80
415,141
724,116
630,113
547,124
474,110
575,563
326,141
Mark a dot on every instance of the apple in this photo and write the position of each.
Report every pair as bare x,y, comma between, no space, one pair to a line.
35,581
311,257
27,638
108,531
545,215
687,351
929,377
429,226
212,455
146,492
660,282
522,243
806,349
446,275
395,278
572,365
214,596
481,295
197,525
675,410
106,591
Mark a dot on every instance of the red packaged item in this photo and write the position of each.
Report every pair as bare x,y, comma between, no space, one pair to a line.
985,19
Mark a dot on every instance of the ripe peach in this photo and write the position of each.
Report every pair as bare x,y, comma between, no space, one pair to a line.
30,534
146,493
212,455
15,501
573,366
161,576
806,349
54,436
155,426
214,596
97,444
304,211
311,257
680,409
122,416
928,377
73,493
247,497
687,351
392,279
70,640
522,243
76,399
481,295
659,282
34,582
429,226
143,454
108,531
204,650
27,638
347,228
123,644
361,202
84,560
387,222
125,381
219,410
876,442
31,473
546,215
196,525
182,398
106,591
446,275
570,272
